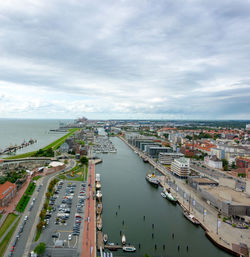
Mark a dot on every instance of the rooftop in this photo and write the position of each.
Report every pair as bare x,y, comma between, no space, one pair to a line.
6,188
227,194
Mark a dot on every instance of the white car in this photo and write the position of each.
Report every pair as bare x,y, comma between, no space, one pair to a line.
69,237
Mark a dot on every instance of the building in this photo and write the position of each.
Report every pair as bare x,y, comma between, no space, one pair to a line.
181,167
243,162
7,192
226,200
154,151
168,158
213,162
197,181
64,148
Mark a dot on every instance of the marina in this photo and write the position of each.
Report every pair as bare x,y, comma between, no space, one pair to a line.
152,227
103,145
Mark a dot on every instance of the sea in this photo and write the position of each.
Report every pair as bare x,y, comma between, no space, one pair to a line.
16,131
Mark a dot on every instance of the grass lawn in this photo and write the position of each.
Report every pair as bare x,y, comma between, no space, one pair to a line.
54,145
30,189
38,233
8,221
36,177
22,203
6,240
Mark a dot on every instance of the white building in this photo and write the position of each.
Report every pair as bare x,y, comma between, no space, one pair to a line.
167,158
181,167
213,162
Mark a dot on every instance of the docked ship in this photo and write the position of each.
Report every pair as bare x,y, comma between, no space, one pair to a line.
105,238
99,222
99,195
169,196
98,185
191,217
152,179
129,248
99,208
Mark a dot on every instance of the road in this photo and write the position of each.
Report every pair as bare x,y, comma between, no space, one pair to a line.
23,245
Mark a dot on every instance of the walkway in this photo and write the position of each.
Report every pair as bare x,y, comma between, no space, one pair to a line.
89,232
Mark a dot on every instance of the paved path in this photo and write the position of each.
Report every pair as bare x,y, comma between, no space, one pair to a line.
89,232
8,229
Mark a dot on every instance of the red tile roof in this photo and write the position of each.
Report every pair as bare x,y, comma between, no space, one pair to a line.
6,188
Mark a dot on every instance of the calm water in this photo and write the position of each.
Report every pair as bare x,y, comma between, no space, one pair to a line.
123,183
15,131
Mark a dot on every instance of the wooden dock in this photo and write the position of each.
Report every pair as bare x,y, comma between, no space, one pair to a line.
100,243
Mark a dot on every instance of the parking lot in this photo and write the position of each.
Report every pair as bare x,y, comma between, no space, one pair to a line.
65,220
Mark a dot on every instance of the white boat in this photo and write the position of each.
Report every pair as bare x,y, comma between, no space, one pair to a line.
98,185
163,195
191,217
128,248
169,196
99,195
123,239
105,238
152,179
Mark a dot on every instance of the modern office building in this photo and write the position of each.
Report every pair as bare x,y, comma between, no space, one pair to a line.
181,167
168,158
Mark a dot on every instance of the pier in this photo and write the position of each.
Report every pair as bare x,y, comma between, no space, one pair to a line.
89,232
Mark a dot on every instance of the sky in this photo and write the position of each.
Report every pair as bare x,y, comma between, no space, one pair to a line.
125,59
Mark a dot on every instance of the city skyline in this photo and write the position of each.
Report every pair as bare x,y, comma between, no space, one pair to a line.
125,59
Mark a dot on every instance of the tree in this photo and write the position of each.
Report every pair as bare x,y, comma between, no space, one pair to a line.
225,164
42,214
84,160
40,249
39,226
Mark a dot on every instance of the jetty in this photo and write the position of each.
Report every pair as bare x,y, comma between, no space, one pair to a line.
12,149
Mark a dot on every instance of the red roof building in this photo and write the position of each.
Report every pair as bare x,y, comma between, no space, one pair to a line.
7,192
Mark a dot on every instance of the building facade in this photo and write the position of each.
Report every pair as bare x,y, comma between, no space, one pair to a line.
181,167
168,158
7,192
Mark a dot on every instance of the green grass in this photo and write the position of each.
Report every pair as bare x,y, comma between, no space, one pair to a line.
38,233
61,140
30,189
36,177
22,203
6,240
8,221
54,145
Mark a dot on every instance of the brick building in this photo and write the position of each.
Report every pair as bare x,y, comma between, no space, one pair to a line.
7,192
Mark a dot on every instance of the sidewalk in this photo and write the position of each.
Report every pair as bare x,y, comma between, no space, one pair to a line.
89,233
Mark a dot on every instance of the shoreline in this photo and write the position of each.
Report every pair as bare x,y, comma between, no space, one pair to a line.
216,239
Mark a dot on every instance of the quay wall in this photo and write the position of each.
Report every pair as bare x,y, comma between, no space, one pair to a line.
218,241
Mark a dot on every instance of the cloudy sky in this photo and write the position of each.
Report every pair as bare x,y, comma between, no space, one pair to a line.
164,59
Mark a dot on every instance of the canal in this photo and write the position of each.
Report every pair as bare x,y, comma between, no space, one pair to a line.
128,197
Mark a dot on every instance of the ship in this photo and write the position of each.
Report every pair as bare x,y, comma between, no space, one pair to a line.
99,222
105,238
129,248
191,217
169,196
99,208
152,179
98,185
99,195
123,239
